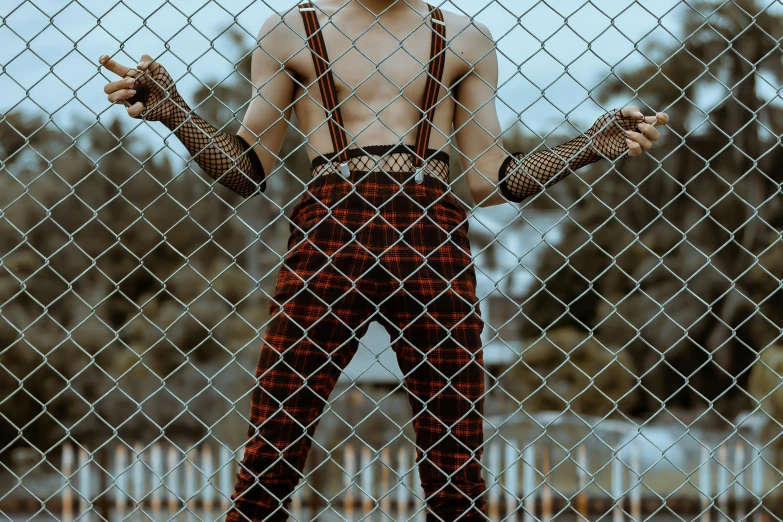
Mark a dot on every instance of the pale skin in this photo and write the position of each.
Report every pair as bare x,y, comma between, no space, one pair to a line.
379,101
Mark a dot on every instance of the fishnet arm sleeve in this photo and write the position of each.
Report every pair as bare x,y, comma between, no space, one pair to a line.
225,157
521,176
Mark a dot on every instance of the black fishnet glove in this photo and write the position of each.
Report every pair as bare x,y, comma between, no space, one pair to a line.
523,175
227,158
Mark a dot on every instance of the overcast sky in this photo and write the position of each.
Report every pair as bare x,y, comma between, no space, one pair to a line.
50,48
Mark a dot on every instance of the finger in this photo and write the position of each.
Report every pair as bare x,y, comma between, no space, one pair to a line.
111,87
116,68
632,111
135,109
639,138
634,148
660,118
650,131
122,94
147,64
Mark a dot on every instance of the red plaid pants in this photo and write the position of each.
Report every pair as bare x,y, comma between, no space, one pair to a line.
377,256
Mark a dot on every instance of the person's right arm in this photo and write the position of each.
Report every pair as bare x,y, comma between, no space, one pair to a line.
238,161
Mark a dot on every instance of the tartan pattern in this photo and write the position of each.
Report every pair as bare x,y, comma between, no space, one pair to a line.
409,267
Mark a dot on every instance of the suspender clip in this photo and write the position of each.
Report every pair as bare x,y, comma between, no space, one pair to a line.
419,177
344,170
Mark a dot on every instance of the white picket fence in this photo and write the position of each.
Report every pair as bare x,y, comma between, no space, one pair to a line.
166,480
162,483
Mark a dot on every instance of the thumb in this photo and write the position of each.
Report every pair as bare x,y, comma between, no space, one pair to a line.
136,109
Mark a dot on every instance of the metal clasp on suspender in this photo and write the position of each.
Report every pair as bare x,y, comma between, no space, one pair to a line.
344,170
419,177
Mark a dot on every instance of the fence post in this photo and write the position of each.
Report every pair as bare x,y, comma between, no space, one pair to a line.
739,490
156,465
208,470
617,488
67,469
705,483
493,484
102,504
636,493
385,483
723,490
368,502
512,479
546,494
85,486
581,473
120,480
529,490
138,477
402,489
190,479
419,502
227,466
757,483
173,477
348,480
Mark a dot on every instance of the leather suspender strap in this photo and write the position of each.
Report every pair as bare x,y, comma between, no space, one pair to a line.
434,75
315,40
329,93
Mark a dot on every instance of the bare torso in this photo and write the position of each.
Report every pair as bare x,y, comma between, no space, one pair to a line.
380,71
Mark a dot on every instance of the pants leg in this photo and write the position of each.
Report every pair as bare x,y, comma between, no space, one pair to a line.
438,351
320,311
435,325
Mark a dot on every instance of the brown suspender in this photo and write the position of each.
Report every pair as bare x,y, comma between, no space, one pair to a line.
437,61
315,39
326,83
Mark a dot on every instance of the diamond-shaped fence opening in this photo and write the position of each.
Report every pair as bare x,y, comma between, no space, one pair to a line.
391,260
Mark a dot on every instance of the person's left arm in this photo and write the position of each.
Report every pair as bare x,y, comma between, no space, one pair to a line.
494,175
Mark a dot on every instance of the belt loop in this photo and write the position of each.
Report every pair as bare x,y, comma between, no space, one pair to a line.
344,170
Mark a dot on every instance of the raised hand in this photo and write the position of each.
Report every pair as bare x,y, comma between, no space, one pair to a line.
623,130
523,175
148,91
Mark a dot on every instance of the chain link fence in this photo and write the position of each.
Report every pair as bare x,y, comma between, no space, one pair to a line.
631,314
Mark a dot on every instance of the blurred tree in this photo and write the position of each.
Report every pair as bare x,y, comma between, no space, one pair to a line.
676,258
133,293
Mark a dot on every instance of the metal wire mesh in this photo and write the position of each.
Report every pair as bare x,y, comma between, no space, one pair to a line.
630,362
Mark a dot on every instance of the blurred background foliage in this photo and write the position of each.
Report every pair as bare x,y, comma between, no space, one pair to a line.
129,306
677,266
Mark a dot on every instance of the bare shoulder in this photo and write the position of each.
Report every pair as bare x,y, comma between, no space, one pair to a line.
471,39
282,34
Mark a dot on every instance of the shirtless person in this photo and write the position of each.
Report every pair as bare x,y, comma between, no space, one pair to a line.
378,235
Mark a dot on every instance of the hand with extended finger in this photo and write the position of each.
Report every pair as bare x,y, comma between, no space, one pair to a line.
147,92
623,130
